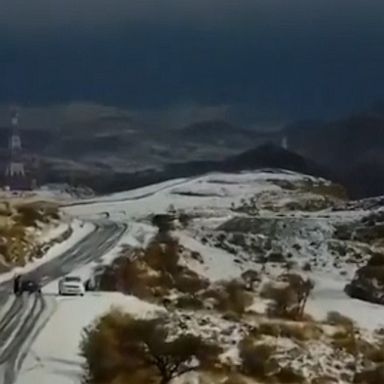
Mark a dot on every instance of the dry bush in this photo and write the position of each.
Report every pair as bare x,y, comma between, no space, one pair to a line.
270,329
164,222
289,298
307,267
184,219
284,301
187,281
130,276
234,379
301,332
5,209
230,296
336,191
250,277
276,257
371,352
151,273
163,256
325,380
372,376
257,359
288,375
336,318
118,346
189,302
376,260
347,341
29,215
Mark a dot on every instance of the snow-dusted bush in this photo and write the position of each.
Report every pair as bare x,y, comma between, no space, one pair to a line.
336,318
229,296
289,297
257,359
120,347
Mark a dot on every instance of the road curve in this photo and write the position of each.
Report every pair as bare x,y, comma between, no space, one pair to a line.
22,321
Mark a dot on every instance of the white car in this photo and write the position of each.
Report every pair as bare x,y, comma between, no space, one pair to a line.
71,285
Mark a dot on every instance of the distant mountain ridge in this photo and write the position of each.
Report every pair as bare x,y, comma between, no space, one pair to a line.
352,147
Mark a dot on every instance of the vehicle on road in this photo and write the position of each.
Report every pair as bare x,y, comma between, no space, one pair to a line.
71,285
30,286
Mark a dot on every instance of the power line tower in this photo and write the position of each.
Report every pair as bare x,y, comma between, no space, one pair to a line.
15,176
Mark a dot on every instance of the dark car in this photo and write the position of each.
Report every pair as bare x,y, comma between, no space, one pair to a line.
29,286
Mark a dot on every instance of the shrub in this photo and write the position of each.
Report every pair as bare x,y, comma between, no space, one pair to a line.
250,277
29,215
184,219
288,300
118,346
187,281
257,359
163,257
288,375
276,257
300,332
235,298
234,379
164,222
377,260
189,302
270,329
324,380
336,318
346,341
372,376
229,296
307,267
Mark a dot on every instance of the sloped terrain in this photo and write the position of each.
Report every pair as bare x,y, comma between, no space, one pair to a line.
253,263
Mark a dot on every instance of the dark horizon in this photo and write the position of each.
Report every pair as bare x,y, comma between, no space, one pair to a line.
280,61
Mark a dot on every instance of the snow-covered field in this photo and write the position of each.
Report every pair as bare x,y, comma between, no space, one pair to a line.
211,201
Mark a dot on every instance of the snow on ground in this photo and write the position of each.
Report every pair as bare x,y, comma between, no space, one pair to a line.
218,264
208,192
136,193
51,233
54,356
328,295
80,230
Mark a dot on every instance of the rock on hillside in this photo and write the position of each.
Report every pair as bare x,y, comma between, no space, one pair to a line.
368,283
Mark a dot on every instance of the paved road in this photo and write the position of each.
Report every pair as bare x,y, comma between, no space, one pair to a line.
24,317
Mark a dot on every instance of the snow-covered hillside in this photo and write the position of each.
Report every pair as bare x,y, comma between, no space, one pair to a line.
272,222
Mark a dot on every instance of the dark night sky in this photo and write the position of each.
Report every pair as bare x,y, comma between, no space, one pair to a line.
266,59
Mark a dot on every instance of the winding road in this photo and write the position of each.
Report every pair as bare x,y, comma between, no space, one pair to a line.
22,318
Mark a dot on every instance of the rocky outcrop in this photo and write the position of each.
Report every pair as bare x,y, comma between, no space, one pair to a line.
368,283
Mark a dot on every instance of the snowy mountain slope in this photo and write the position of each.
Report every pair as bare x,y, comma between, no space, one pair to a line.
212,191
269,221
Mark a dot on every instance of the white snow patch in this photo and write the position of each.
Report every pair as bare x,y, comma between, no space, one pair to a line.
210,192
218,264
54,356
